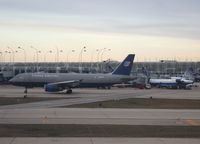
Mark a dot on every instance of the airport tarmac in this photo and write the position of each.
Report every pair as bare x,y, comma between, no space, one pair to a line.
99,140
44,112
164,117
92,95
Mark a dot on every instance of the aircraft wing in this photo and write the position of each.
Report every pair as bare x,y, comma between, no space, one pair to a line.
60,86
72,83
128,79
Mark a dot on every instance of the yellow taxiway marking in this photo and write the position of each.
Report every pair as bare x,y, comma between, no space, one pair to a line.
193,123
179,122
45,121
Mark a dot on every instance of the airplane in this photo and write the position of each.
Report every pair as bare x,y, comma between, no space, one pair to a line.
56,82
188,75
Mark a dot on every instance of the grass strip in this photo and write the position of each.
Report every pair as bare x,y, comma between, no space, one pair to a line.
65,130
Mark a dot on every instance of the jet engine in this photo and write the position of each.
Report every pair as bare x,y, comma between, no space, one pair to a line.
52,88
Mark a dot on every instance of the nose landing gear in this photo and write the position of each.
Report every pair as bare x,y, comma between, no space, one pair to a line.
25,92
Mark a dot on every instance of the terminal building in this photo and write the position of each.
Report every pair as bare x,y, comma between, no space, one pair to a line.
171,68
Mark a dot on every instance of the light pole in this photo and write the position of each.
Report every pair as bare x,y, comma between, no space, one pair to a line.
92,58
57,59
1,56
80,58
39,52
103,51
36,51
8,52
57,54
24,53
98,54
16,53
72,51
99,51
81,52
46,54
60,51
13,52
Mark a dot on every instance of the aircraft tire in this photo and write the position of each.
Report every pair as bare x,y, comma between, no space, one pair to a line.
69,91
108,87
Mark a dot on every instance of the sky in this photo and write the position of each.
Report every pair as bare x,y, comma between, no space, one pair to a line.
152,29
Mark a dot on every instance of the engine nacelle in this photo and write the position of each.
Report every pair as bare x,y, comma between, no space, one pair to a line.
52,88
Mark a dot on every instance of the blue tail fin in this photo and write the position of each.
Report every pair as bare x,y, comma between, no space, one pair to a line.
189,74
126,66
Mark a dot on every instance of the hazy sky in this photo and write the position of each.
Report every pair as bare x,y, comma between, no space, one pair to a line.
152,29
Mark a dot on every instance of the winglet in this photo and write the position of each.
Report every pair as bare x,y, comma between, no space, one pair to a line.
125,67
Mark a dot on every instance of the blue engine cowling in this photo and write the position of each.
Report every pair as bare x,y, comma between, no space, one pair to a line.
52,88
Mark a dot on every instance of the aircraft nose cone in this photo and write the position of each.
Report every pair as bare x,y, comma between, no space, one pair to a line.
10,81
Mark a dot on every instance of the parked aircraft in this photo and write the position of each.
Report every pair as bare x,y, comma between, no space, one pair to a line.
55,82
188,75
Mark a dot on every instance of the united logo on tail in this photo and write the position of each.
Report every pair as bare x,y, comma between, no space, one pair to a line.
127,63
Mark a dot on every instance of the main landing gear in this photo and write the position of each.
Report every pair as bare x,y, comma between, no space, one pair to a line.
104,87
69,91
25,92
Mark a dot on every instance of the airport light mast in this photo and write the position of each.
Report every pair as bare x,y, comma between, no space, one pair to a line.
98,55
8,52
37,56
99,52
80,58
1,56
46,54
103,51
92,58
13,54
57,54
37,53
71,51
57,58
68,62
93,54
24,53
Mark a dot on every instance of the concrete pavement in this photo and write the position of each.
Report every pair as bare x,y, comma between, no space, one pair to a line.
101,116
93,95
86,140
